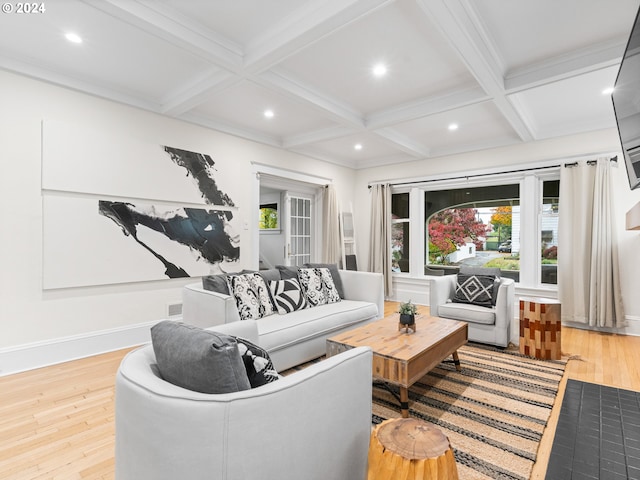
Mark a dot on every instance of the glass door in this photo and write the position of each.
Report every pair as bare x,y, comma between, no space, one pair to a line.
298,230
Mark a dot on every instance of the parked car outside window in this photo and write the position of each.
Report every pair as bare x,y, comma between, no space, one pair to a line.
505,247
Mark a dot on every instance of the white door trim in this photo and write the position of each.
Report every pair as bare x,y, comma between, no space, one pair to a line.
294,182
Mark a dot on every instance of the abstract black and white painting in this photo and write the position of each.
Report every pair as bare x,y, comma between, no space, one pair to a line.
202,168
89,241
204,232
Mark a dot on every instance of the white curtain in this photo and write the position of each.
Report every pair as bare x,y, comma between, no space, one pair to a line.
331,235
588,274
380,248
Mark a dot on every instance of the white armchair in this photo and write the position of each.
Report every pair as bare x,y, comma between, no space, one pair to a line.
313,424
490,325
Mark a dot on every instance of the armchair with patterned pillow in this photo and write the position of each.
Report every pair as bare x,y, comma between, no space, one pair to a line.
480,297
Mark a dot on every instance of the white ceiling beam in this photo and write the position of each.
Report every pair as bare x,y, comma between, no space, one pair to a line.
283,82
164,22
316,136
302,28
313,153
225,127
425,107
458,24
579,62
402,143
525,114
383,161
90,87
458,149
197,92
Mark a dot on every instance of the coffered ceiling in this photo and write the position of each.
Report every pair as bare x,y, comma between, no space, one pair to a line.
503,71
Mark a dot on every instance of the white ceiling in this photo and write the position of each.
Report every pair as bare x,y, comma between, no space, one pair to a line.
505,71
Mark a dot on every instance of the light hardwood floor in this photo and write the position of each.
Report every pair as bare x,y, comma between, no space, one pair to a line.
57,422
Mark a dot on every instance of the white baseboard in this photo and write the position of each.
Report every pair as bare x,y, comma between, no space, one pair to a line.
409,288
632,328
59,350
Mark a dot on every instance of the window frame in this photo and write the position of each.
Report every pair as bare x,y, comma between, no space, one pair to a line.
411,225
531,191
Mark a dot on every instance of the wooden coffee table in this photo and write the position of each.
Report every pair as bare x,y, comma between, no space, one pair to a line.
403,358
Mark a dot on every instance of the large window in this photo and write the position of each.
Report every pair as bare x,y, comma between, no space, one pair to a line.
509,222
472,226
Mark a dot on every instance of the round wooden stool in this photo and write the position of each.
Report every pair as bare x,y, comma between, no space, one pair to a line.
408,448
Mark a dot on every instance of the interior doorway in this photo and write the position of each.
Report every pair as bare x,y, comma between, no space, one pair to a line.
290,221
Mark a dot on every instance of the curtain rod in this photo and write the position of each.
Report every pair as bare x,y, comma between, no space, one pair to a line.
590,162
471,176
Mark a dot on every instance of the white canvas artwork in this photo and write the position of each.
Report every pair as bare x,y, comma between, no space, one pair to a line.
92,242
79,159
186,228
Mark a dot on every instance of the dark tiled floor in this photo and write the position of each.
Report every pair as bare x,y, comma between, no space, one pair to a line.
598,434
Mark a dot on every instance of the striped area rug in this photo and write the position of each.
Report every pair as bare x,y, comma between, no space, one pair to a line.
494,411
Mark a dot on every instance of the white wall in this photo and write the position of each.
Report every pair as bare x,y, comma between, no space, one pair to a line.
31,317
629,247
511,158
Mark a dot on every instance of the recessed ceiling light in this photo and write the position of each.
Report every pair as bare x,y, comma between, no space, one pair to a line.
607,91
380,70
453,126
358,146
73,38
268,113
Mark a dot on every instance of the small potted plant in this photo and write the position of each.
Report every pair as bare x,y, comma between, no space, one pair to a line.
407,313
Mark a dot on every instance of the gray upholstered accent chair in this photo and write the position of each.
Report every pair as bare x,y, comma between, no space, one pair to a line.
487,324
313,424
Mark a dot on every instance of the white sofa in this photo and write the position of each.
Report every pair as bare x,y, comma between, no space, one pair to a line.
313,424
299,336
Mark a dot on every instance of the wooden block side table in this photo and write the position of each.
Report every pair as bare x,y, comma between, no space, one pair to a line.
410,449
540,328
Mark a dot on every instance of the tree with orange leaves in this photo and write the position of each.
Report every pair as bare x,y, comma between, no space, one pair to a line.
501,221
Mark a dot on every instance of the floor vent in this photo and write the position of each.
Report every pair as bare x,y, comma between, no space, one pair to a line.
174,309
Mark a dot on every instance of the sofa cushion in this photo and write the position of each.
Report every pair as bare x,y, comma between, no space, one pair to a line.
199,360
474,289
271,275
317,285
257,363
287,296
287,272
218,283
281,331
252,296
467,312
335,275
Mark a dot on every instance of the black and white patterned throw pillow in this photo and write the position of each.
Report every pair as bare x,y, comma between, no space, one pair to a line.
252,296
257,362
475,289
287,295
329,285
317,285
